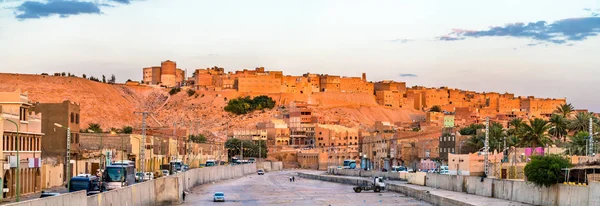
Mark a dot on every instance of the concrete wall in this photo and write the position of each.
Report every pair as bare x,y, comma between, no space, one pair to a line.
75,198
417,178
370,173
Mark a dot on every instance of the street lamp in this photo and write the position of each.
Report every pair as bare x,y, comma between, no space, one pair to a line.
18,158
68,162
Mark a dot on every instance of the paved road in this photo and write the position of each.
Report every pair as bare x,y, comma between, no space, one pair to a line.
274,188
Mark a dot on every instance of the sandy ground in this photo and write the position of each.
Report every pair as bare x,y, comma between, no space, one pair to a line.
274,188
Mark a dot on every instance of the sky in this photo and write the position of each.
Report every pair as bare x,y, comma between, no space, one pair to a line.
542,48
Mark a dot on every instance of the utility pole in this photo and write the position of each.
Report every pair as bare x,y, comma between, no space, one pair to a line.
486,145
591,140
68,160
242,150
142,156
176,138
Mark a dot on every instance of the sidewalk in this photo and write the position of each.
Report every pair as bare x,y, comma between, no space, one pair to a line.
417,191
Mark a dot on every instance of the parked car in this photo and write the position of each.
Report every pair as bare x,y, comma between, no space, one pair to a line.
139,177
165,173
261,172
89,183
48,194
219,197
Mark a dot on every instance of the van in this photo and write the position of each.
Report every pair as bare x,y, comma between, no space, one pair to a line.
89,183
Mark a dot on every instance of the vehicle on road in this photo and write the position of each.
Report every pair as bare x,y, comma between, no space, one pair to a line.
176,166
148,176
399,169
210,163
340,167
139,177
251,160
165,173
377,186
219,197
349,164
261,172
49,194
91,184
118,176
444,170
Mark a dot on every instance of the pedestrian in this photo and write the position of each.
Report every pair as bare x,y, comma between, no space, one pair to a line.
290,179
293,179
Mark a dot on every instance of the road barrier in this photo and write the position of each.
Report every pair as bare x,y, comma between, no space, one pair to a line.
161,191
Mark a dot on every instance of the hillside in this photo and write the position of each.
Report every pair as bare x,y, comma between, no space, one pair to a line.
114,105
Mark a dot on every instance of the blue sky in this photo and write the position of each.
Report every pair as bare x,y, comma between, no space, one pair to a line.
544,48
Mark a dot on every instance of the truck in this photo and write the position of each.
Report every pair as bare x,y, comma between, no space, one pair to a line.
377,185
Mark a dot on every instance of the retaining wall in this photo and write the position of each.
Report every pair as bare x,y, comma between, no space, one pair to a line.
408,191
75,198
370,173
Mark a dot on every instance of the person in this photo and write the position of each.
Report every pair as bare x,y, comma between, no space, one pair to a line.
290,179
293,179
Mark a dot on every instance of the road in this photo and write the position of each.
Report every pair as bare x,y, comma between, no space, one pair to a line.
274,188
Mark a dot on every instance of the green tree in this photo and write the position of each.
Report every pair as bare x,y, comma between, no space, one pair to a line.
471,129
234,145
198,138
535,133
578,143
174,91
435,108
564,109
103,79
127,129
95,127
546,170
84,76
262,102
244,105
559,125
113,79
581,122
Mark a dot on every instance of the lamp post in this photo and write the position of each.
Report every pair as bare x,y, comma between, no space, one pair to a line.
68,162
18,157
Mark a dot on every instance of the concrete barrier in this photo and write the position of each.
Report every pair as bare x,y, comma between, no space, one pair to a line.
417,178
370,173
74,198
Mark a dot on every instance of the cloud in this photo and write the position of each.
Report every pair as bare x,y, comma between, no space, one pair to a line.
408,75
61,8
558,32
36,10
122,1
401,40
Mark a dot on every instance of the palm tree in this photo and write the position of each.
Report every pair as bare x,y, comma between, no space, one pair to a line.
564,109
535,133
578,143
496,136
559,126
581,122
95,127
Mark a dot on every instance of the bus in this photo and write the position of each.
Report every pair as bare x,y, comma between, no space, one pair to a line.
124,162
176,166
210,163
349,164
117,176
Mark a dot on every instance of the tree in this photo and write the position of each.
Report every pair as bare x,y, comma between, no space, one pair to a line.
103,79
234,145
564,109
191,92
559,127
63,74
83,75
581,122
262,102
95,127
113,79
244,105
198,138
535,133
578,143
127,129
69,74
515,131
471,129
546,170
435,108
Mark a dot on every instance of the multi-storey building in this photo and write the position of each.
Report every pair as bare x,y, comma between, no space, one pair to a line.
167,74
21,131
278,132
338,142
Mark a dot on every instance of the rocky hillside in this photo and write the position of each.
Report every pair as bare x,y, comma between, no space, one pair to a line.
114,105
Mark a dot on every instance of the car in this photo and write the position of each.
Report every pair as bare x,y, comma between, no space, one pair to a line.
261,172
139,177
48,194
148,176
219,197
165,173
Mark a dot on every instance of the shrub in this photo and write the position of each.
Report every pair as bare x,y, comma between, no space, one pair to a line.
127,129
244,105
435,108
174,91
546,170
191,92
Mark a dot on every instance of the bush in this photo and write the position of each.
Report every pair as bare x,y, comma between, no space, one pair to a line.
546,170
191,92
244,105
127,130
174,91
435,108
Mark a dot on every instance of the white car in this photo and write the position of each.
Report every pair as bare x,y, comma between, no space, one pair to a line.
165,172
148,176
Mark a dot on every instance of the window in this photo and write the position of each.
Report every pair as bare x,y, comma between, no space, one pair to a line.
23,114
72,117
77,118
